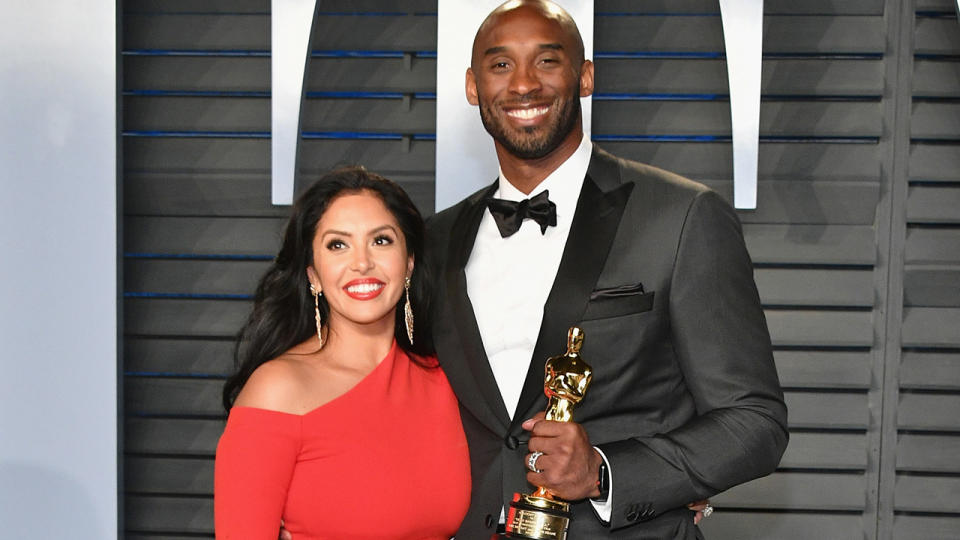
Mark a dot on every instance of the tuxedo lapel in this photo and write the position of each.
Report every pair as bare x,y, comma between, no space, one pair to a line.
467,366
599,209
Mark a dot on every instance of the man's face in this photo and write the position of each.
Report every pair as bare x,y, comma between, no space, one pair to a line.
527,76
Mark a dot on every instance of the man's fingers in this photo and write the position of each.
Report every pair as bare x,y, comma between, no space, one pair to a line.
529,423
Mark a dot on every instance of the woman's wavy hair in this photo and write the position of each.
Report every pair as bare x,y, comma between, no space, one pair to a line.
282,313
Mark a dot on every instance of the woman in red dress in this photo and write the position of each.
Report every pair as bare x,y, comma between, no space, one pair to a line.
341,423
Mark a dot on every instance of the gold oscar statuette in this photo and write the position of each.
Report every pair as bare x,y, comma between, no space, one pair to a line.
540,516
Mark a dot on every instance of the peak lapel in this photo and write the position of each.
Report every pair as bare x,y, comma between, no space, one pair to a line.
466,365
594,226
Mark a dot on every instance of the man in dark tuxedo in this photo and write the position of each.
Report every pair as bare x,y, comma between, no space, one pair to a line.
685,400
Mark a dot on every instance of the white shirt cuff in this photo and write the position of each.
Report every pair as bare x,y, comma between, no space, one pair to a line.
604,509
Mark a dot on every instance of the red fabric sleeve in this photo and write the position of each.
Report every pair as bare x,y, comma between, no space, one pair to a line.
255,461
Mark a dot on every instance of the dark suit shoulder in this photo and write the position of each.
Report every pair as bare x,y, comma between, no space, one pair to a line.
442,221
653,187
637,172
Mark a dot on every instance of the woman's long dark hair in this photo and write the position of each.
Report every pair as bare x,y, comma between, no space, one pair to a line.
282,313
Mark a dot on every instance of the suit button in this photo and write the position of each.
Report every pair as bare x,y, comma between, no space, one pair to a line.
488,521
633,513
512,442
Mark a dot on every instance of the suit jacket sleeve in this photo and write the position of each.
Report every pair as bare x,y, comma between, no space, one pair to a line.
720,339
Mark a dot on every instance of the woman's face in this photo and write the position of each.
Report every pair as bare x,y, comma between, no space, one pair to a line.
360,260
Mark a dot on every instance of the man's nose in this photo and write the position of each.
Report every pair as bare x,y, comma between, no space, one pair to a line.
524,80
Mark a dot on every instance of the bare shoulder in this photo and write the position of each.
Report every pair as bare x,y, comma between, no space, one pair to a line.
277,385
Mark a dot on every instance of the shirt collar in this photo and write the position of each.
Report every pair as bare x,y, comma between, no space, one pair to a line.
564,182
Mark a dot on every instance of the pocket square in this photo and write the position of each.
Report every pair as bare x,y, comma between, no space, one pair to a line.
622,290
618,301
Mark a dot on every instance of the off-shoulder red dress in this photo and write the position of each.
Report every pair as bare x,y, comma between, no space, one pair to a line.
386,460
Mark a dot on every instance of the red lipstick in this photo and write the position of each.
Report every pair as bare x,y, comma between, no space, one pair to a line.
364,288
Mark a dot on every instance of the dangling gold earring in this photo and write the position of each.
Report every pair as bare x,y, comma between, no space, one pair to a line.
316,312
408,311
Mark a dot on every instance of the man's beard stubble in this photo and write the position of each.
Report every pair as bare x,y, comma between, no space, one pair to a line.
527,145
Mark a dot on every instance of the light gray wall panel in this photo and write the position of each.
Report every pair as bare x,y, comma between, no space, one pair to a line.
815,410
782,526
179,356
932,285
826,451
780,76
936,78
164,513
176,476
263,6
932,204
926,494
928,453
933,246
192,6
416,116
922,411
934,162
777,161
187,436
810,244
930,527
200,193
180,113
196,73
937,36
183,155
173,396
823,328
777,118
931,370
808,491
839,7
781,34
935,121
931,327
377,33
192,32
410,74
204,235
190,276
813,287
187,318
823,369
804,202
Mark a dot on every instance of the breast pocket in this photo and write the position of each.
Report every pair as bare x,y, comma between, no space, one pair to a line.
618,301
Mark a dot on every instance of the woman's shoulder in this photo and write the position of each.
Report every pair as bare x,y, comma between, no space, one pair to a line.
277,385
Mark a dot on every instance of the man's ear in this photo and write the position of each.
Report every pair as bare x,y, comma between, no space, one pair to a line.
471,88
586,79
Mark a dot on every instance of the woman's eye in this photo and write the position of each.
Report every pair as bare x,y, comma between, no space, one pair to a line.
382,240
335,244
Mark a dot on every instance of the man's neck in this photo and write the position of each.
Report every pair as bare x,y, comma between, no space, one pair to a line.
527,174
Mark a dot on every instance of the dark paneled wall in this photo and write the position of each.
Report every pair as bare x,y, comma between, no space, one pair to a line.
856,240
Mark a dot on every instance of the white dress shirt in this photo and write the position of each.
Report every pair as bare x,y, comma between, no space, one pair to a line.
509,279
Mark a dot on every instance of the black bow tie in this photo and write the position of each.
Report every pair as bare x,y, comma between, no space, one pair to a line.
509,215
